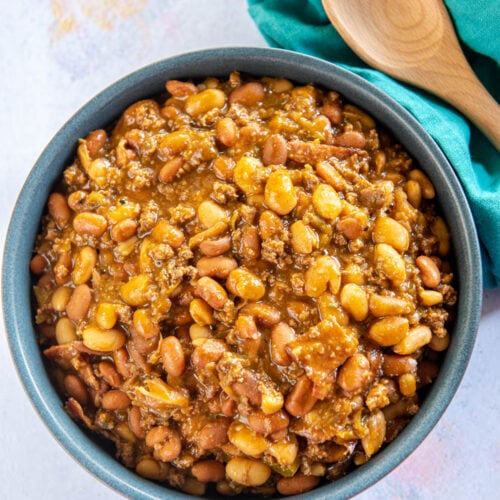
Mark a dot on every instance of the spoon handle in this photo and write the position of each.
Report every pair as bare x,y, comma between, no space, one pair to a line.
452,79
474,101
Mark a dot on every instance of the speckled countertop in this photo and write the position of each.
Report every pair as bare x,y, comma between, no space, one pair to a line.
57,54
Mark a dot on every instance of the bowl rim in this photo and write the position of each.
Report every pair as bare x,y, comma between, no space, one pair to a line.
271,62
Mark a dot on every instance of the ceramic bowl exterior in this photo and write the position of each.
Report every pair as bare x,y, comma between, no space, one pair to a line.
103,110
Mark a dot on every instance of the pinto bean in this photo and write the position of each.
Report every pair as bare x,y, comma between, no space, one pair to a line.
79,303
95,141
115,400
62,268
274,151
248,387
211,292
110,374
300,400
76,200
224,167
376,424
166,443
170,169
212,248
90,224
59,209
226,131
333,110
268,424
76,388
208,471
141,346
180,89
248,94
38,264
300,483
134,422
429,271
250,243
246,328
395,364
214,434
124,230
351,139
122,362
354,373
281,335
216,267
228,405
209,352
264,314
172,356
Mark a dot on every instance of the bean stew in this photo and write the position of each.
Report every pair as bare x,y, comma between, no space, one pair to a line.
245,285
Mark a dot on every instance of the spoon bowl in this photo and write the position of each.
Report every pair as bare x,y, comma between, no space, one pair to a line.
414,41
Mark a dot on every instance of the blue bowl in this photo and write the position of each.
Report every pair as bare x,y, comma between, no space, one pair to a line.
103,110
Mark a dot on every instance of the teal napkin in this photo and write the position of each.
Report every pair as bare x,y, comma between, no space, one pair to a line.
302,25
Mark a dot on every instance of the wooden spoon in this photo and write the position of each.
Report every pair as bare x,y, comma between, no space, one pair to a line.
414,41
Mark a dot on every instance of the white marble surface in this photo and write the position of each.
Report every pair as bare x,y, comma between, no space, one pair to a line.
55,56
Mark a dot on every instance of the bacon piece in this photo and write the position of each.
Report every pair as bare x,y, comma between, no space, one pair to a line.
312,153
